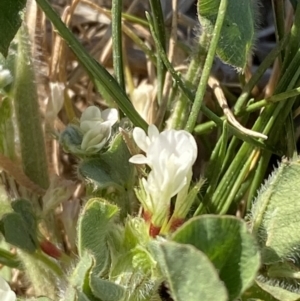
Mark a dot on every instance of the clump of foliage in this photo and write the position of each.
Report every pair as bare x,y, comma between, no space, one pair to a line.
148,228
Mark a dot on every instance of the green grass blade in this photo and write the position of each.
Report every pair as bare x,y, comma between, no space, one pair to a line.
116,13
207,67
159,28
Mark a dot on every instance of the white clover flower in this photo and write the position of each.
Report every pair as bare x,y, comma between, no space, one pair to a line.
6,294
170,155
96,127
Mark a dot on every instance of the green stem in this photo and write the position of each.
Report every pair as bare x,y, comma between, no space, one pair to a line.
278,10
294,42
258,177
213,170
272,99
223,207
159,28
211,115
116,13
9,259
135,19
258,74
50,263
139,42
210,125
181,108
43,273
206,127
271,118
287,82
290,136
231,176
207,67
265,156
230,154
241,195
224,143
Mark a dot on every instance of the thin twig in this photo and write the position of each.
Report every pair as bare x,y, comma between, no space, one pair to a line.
215,86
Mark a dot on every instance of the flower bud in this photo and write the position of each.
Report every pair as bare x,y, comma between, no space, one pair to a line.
96,127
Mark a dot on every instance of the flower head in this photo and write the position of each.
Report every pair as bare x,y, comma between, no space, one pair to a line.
6,294
96,127
170,155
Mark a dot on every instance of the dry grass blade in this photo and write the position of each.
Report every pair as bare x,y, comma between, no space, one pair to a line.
215,86
16,172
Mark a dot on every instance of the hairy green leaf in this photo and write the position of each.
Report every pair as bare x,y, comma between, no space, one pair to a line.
267,292
105,290
237,33
28,115
93,225
189,273
25,209
15,231
82,297
81,271
227,243
275,219
111,168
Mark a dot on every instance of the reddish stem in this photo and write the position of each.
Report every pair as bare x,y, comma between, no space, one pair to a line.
154,230
176,223
147,216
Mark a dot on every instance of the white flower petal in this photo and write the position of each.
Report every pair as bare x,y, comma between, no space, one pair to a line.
55,101
87,125
4,285
178,185
95,138
110,115
91,113
6,294
92,149
138,159
96,127
57,96
153,132
140,138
